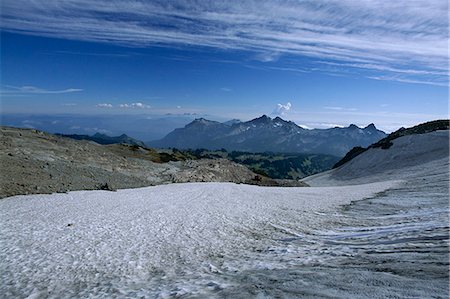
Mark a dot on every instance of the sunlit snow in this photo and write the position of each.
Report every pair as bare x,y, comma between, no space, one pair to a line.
156,241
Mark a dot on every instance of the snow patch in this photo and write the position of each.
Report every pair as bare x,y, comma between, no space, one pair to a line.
168,240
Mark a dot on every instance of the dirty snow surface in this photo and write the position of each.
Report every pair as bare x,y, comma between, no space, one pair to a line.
162,241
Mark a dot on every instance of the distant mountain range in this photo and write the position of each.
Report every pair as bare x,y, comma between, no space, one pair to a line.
265,134
140,126
105,139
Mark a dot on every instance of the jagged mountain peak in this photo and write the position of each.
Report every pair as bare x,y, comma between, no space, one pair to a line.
201,119
370,127
280,120
264,118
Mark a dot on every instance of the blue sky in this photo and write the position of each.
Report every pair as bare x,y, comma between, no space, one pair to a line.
318,63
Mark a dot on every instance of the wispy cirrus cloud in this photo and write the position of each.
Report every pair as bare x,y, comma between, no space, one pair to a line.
404,75
404,79
268,56
403,36
23,90
115,55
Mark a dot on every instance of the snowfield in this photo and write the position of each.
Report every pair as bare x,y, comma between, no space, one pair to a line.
155,242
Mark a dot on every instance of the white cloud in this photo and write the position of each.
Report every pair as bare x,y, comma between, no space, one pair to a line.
282,109
27,89
137,105
400,36
225,89
104,105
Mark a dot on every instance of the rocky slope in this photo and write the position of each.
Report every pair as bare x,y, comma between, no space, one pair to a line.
267,134
36,162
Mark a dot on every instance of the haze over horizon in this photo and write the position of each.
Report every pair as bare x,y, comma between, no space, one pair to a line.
319,64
